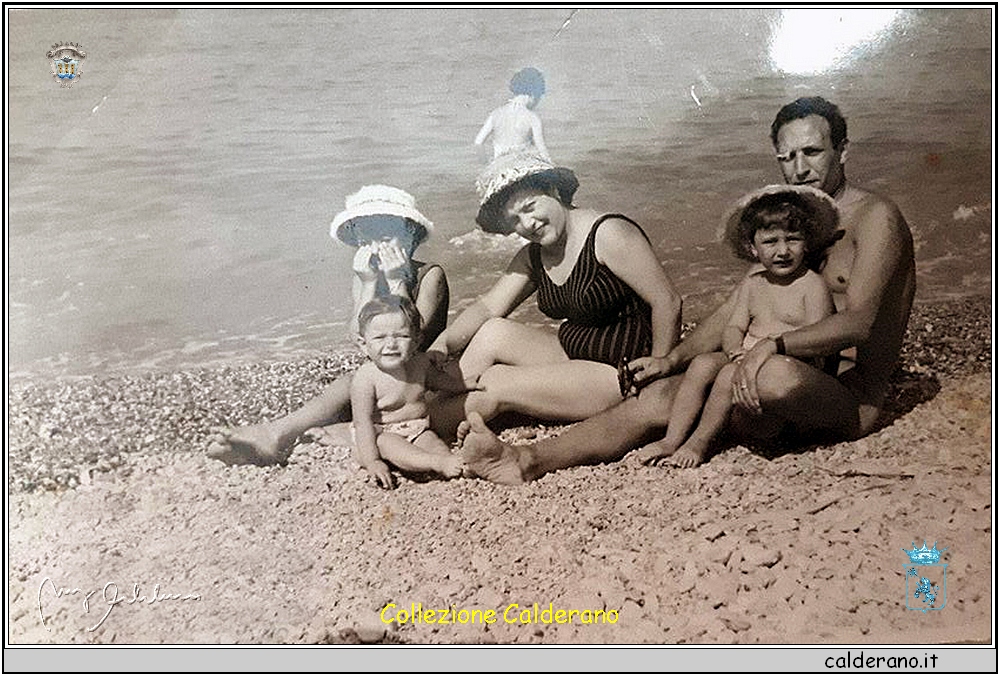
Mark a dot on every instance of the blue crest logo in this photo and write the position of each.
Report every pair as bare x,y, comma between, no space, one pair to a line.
929,578
67,62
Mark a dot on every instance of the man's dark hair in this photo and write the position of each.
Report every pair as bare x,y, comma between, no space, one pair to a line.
811,105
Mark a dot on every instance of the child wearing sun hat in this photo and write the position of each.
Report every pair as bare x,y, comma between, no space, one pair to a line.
386,227
782,228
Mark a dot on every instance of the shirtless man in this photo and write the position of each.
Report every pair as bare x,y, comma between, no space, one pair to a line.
872,276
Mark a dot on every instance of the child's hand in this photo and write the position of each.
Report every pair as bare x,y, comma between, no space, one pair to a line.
362,263
393,261
383,476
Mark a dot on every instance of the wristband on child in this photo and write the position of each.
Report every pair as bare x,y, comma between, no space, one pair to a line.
779,344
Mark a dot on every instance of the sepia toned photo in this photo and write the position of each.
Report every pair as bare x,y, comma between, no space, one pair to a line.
503,327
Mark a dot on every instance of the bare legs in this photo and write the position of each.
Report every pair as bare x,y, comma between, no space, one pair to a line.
522,369
791,391
427,453
605,437
269,443
683,450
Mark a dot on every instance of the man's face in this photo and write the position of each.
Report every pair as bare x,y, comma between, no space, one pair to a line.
807,156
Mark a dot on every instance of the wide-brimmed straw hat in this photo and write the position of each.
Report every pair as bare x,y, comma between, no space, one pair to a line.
379,200
820,229
506,171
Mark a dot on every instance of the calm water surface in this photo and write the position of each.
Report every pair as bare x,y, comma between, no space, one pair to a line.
172,207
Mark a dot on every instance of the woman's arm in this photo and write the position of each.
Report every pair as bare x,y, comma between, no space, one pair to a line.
509,291
625,250
363,397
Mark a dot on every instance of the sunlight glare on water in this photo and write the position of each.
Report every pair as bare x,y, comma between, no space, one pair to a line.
810,41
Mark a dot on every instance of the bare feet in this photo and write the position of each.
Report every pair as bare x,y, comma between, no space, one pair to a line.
451,466
248,445
486,456
689,455
652,454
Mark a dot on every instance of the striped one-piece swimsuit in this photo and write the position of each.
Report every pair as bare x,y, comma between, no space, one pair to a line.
606,319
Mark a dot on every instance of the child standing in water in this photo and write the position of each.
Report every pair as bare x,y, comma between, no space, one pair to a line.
386,227
388,396
515,126
783,229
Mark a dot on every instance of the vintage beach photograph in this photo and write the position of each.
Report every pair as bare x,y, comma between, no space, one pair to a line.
500,326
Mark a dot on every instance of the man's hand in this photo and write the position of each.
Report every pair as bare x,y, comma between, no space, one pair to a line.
745,393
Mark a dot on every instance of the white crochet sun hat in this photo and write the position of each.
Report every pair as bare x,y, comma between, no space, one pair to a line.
508,169
379,200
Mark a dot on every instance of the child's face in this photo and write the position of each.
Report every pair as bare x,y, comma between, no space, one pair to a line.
377,229
389,341
780,251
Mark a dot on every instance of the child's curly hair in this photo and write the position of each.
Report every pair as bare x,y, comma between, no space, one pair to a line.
790,208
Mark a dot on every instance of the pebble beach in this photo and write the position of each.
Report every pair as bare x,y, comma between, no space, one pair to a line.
108,482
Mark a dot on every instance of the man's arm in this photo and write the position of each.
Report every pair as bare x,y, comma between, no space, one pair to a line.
882,244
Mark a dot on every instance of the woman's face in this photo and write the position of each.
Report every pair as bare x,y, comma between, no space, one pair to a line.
535,215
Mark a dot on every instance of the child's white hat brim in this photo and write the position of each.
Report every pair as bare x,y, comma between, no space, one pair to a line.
824,216
379,200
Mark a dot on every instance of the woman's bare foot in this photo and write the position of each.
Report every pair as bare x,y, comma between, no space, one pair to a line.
247,445
487,457
652,454
689,455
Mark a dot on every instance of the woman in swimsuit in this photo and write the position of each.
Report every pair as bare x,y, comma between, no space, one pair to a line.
595,271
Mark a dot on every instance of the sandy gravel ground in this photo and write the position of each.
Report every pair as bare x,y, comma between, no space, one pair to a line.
108,484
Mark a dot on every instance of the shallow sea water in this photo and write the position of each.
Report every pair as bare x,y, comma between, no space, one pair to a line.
172,207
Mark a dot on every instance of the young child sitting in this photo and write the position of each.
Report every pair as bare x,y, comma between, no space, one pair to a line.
386,227
388,396
784,229
514,125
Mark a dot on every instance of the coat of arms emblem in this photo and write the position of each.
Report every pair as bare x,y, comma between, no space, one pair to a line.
926,578
67,62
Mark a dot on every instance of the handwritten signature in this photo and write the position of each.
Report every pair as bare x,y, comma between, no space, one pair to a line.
110,596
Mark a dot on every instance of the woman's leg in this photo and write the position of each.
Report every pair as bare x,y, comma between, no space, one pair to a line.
504,341
570,390
606,437
498,341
